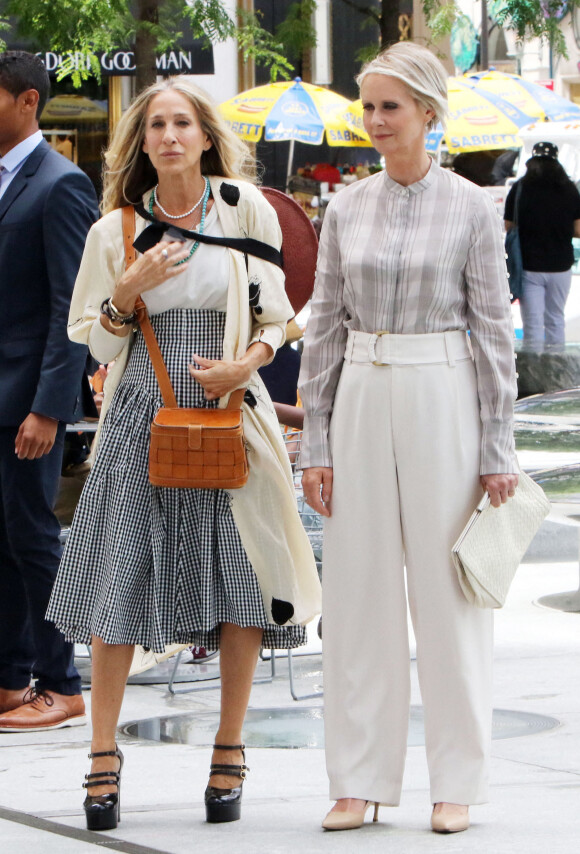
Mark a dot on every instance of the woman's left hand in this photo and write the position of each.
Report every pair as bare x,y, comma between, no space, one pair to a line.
500,487
218,376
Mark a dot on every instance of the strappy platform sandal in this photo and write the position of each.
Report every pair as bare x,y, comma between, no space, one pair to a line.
226,804
103,812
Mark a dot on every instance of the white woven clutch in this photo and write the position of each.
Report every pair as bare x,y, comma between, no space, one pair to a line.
494,541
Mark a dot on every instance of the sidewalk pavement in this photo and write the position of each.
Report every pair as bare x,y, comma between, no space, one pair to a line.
535,804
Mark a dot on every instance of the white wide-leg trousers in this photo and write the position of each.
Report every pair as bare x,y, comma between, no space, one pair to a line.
405,441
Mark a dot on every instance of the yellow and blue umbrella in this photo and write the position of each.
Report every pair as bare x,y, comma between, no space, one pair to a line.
294,111
477,121
531,98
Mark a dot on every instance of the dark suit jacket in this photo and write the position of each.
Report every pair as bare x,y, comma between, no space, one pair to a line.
45,215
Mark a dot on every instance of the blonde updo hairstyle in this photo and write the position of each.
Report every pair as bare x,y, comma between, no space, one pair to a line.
420,71
128,171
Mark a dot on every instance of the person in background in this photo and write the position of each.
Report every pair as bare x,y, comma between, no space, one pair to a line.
64,146
548,217
407,419
281,376
475,166
503,167
47,206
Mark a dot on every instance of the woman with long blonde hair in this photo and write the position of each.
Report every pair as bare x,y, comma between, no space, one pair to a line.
151,565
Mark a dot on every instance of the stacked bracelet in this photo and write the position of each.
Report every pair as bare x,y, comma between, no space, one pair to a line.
116,318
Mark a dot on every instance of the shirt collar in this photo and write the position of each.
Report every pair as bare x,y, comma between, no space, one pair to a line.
15,157
418,186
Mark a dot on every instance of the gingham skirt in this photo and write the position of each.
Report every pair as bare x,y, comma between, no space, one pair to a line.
148,565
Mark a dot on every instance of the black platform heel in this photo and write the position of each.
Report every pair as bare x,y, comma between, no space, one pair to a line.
226,804
103,812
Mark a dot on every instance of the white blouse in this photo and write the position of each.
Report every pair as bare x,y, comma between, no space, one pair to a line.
203,284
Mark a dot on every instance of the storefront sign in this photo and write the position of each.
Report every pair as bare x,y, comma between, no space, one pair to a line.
187,59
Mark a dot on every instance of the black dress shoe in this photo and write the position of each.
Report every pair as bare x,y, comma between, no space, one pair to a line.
226,804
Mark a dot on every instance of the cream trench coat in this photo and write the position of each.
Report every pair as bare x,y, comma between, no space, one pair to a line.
265,508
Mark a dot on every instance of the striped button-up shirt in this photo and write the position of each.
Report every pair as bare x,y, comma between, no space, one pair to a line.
419,259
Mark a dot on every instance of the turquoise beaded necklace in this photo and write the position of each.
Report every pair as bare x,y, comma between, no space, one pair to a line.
153,200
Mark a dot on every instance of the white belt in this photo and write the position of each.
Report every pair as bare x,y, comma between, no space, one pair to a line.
383,348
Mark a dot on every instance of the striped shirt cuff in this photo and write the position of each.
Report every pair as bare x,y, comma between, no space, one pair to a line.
498,454
315,448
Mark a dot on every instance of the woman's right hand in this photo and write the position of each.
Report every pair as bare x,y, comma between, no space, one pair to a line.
149,270
317,488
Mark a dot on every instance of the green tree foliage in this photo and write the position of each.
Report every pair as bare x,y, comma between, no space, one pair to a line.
383,13
296,32
537,18
526,18
92,26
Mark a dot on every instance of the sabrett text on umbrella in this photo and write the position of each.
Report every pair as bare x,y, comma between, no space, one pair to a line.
343,135
245,128
490,139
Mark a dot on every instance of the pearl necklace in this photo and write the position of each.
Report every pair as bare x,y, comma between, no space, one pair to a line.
179,216
203,200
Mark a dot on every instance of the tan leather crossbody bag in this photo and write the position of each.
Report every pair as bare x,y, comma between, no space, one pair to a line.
190,448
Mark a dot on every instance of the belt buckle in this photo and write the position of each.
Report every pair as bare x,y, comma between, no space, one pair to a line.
372,354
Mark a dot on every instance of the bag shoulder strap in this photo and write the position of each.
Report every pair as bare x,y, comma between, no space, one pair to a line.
167,392
163,379
247,245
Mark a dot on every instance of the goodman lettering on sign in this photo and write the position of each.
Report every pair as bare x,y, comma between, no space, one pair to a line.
189,59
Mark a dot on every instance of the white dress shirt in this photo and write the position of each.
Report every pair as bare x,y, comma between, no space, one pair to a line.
419,259
13,160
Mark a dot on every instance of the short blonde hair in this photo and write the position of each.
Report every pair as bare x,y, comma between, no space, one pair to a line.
128,171
420,70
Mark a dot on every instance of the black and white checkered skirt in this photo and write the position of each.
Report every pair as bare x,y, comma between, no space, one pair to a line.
148,565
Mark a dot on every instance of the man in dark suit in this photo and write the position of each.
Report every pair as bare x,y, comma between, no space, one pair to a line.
47,205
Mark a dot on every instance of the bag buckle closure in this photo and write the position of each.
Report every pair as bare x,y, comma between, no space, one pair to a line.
194,437
372,347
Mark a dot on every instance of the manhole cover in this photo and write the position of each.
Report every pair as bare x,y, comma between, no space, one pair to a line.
291,728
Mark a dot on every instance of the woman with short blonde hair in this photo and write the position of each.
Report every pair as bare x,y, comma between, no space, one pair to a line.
407,418
419,70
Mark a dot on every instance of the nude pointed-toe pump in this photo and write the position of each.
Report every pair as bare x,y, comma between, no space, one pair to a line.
349,819
448,819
